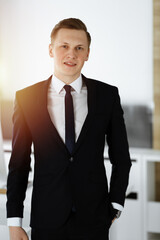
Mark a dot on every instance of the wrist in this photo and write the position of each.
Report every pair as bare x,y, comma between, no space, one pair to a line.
14,222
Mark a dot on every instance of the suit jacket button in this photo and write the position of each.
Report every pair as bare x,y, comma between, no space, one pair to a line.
71,159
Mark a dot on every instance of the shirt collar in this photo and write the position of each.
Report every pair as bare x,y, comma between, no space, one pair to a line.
58,85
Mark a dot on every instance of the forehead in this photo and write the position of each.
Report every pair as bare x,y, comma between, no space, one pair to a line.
71,36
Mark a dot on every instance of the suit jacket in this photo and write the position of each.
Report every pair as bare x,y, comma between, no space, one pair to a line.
62,180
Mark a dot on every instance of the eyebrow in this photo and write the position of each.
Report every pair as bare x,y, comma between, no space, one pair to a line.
80,44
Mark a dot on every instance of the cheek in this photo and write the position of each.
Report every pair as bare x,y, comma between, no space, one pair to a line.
84,58
58,54
57,57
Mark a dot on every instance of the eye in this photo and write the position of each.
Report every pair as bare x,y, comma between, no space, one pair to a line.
64,46
79,48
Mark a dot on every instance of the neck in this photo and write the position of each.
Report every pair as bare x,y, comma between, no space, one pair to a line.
66,79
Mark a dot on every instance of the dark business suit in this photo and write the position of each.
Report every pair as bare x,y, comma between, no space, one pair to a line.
62,180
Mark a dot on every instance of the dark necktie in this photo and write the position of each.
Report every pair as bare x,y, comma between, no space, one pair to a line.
69,120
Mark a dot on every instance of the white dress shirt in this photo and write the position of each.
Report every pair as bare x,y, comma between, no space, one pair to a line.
56,104
56,109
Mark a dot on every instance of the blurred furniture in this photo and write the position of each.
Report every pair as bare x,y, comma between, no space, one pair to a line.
140,219
138,120
3,171
6,118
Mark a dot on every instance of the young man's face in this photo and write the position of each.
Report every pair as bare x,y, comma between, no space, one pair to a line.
70,50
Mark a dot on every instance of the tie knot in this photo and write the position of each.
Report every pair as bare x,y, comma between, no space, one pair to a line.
67,88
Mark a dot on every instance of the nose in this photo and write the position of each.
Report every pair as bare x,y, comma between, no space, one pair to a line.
71,53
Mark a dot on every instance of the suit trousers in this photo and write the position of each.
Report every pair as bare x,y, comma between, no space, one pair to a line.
69,231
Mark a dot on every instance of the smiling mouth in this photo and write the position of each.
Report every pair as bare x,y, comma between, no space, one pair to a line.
70,64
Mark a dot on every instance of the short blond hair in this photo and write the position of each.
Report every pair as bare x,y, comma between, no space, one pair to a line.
71,23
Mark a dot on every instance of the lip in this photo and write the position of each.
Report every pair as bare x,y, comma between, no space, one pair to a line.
70,64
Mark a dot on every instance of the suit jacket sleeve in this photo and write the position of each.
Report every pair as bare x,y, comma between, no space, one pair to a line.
118,152
19,165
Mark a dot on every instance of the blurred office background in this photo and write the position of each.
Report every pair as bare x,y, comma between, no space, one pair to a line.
125,51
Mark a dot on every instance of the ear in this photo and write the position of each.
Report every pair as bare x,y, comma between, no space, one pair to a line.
87,55
51,50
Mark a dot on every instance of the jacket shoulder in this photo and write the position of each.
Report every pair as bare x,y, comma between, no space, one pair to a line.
33,89
99,85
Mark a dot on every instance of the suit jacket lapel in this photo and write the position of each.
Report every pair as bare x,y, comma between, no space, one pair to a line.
91,103
46,120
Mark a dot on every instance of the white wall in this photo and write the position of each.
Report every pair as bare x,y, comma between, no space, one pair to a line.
121,50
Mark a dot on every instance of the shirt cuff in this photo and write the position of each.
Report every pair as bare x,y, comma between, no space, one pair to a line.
117,206
14,222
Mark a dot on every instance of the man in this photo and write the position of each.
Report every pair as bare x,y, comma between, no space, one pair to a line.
67,118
